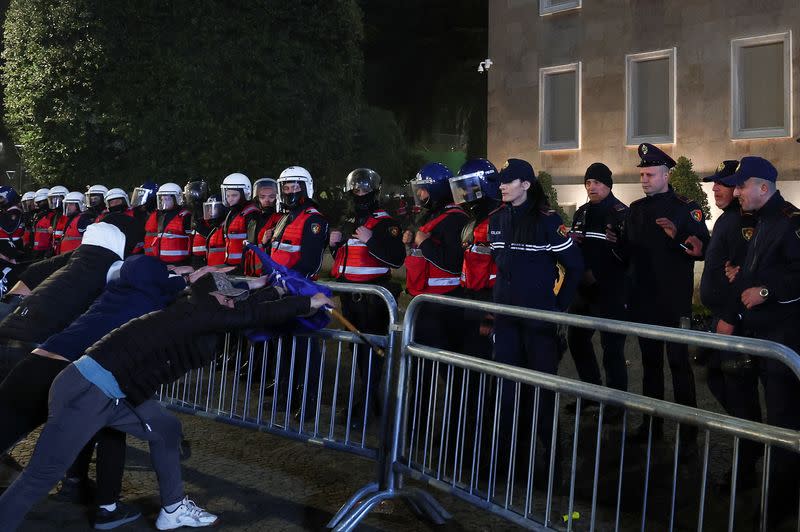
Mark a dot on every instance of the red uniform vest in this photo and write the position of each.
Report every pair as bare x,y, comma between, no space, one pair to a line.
58,232
72,237
43,232
353,260
215,254
236,234
479,270
252,264
199,244
424,277
17,235
286,251
173,243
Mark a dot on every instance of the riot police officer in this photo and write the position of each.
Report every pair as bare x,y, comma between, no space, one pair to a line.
95,199
601,291
260,228
168,230
373,248
236,190
656,240
72,224
768,283
195,193
143,200
12,228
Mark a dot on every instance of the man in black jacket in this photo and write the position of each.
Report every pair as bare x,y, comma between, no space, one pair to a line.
601,291
112,385
732,379
768,284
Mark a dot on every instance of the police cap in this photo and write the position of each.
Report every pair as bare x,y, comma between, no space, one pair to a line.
653,156
725,169
752,167
517,169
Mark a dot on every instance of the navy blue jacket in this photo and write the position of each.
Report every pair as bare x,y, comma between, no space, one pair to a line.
729,240
526,247
773,261
144,285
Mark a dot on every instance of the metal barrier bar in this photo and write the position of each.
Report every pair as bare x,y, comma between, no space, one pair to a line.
418,378
235,387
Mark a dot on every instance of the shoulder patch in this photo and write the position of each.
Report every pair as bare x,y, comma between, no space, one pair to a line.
316,228
562,230
696,215
394,231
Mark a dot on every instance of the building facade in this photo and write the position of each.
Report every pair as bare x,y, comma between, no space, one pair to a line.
578,81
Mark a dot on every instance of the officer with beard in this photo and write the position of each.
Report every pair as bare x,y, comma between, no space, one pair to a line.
372,249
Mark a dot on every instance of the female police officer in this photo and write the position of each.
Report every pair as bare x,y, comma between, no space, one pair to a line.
528,239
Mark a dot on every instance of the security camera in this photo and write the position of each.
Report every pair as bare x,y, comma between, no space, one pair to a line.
484,65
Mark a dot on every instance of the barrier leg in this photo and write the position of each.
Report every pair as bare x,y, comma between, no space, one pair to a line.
351,502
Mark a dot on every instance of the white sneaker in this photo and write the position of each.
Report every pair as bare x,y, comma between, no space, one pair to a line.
187,514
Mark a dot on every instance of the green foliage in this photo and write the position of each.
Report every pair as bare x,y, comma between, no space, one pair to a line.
546,181
686,182
118,92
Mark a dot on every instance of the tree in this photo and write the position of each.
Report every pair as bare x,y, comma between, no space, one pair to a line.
686,182
550,191
117,92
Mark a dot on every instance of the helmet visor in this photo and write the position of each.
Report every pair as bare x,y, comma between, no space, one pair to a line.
166,202
420,189
28,205
212,210
466,188
94,199
359,183
54,202
140,196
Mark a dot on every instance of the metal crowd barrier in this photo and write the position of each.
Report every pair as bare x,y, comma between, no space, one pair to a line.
301,387
454,431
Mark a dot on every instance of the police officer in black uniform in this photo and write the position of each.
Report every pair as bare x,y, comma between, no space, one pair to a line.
732,379
656,241
602,289
769,285
527,240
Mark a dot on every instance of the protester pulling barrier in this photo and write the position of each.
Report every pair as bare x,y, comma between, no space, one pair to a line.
248,384
453,430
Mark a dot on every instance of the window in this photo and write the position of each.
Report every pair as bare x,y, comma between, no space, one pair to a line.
761,86
547,7
650,97
560,107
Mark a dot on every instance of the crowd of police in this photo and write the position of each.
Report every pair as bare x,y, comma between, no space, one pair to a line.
490,235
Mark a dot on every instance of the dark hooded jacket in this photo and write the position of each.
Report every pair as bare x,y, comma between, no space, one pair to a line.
160,347
66,294
144,285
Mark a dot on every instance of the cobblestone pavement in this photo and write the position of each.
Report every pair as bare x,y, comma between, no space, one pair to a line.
257,481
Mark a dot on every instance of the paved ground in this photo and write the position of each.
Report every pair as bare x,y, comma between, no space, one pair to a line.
258,481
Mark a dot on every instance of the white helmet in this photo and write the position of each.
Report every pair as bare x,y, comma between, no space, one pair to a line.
117,193
41,195
238,182
295,174
165,190
97,193
75,198
28,201
263,182
56,196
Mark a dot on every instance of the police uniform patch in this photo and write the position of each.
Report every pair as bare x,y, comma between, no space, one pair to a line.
316,228
747,233
696,215
394,230
562,230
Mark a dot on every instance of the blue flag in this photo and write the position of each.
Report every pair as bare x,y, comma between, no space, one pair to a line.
296,285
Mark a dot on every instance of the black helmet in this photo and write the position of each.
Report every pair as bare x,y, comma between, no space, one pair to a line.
363,179
195,193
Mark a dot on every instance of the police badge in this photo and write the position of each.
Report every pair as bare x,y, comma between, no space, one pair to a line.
696,215
747,233
316,228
